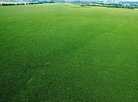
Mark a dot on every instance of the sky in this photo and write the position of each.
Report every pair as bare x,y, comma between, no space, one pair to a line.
71,0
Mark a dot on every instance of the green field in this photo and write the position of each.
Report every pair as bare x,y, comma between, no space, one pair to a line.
68,53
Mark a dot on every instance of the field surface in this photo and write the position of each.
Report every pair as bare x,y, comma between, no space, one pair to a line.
68,53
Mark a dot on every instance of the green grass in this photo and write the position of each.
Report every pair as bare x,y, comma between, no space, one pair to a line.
68,53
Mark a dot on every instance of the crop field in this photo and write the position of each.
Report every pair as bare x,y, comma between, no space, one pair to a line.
68,53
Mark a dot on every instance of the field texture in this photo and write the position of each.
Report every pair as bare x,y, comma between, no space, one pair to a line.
68,53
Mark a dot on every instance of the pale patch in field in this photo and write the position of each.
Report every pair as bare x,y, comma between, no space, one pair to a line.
136,9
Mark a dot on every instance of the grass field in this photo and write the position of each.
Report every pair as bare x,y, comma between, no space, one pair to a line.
68,53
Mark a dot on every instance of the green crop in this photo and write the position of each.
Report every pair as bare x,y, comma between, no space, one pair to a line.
68,53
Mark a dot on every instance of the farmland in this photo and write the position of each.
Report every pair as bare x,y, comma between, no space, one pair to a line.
68,53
